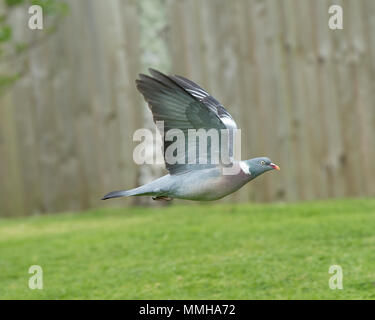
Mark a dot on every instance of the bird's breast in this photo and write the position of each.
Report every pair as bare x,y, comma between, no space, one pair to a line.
208,185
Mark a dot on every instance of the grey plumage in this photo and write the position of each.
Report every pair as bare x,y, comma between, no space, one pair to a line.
182,104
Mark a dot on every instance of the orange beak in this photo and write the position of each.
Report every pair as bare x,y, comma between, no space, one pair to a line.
275,166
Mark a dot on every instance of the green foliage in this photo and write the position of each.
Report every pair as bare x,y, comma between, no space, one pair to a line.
13,3
7,80
153,17
51,7
5,33
194,252
53,11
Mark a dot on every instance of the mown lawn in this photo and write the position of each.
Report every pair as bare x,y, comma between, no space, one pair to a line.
193,252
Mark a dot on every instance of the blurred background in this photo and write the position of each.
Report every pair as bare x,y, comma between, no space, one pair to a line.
301,93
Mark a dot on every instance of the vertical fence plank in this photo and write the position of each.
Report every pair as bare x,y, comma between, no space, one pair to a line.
301,93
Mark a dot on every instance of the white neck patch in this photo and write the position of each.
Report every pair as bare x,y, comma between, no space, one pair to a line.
245,168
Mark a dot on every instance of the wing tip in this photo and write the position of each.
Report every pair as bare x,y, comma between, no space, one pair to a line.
156,73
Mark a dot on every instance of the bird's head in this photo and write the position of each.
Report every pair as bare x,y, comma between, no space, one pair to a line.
257,166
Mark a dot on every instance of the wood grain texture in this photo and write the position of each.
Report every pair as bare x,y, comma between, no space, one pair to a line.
302,94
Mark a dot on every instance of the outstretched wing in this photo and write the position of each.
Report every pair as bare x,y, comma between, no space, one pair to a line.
209,101
182,104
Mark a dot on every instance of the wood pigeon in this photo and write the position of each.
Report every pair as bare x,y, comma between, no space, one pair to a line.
184,105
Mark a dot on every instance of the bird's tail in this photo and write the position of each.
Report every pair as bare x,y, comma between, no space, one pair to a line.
115,194
122,193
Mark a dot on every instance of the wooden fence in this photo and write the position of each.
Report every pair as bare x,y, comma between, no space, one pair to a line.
303,94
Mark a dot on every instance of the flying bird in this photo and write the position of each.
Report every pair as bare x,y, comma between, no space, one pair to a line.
182,104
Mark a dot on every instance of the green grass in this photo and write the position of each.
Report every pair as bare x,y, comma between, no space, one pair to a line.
194,252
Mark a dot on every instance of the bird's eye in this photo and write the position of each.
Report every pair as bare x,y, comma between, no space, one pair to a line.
262,163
